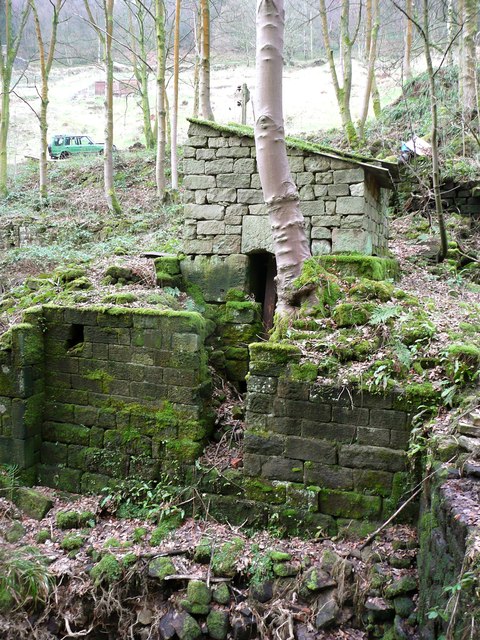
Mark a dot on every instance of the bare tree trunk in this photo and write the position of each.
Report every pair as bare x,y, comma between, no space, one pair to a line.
407,57
343,92
140,70
176,62
450,30
46,61
110,195
8,53
279,191
161,133
197,29
461,54
205,104
469,71
372,27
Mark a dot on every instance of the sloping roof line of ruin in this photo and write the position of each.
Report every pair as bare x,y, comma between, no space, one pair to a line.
385,172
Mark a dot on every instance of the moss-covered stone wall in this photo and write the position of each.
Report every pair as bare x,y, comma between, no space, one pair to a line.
348,448
21,398
104,393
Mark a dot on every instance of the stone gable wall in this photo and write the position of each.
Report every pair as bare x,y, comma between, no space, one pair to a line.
343,207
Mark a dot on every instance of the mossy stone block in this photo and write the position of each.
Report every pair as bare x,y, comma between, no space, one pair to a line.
218,624
241,312
167,264
221,593
108,570
198,592
14,532
216,275
184,450
33,503
225,558
59,478
72,541
188,629
347,504
401,586
264,491
278,353
194,608
349,314
361,266
94,483
161,568
64,432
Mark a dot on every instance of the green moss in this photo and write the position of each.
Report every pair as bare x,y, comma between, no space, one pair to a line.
168,524
372,290
263,491
184,450
42,536
352,314
75,519
7,601
120,298
280,556
218,624
161,568
115,543
415,395
225,558
198,592
139,535
167,265
72,542
415,331
108,570
359,265
235,295
103,377
306,372
274,352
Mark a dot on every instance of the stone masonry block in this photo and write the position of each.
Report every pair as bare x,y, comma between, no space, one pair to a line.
256,234
217,143
235,180
198,247
369,457
196,129
349,504
308,411
226,195
351,240
204,211
233,152
261,384
210,227
338,190
399,439
321,247
199,182
385,419
293,389
244,165
321,233
250,196
377,482
197,141
204,154
367,435
279,468
348,415
304,178
259,403
189,342
306,193
264,444
328,476
227,245
348,175
324,178
223,165
285,426
317,163
313,450
314,208
350,205
193,166
331,431
357,189
296,163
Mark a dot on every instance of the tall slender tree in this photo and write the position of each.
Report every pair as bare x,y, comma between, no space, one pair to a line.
205,103
46,60
372,26
161,111
176,70
343,89
105,36
8,53
469,62
279,191
407,55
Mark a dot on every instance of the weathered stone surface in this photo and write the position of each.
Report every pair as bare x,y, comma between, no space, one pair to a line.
193,166
210,227
204,212
214,167
221,195
338,190
244,165
215,275
346,504
385,419
329,476
350,205
226,245
368,457
314,450
350,415
328,609
351,240
348,175
256,234
199,182
321,233
401,586
321,247
317,163
198,247
357,189
280,468
233,152
249,196
379,609
235,180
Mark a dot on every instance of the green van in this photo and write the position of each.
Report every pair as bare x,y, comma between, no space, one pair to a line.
64,145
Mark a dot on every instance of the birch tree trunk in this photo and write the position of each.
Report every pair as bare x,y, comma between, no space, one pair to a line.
110,195
205,104
290,243
176,62
372,27
468,68
141,71
46,61
407,56
161,128
8,53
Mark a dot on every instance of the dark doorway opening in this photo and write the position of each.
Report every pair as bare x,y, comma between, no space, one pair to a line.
262,272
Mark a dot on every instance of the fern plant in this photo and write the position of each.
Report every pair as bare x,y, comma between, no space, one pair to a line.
9,480
383,313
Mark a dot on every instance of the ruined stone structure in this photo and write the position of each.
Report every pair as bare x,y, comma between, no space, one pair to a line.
343,197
